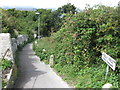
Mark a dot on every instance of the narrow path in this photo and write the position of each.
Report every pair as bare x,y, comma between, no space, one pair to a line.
36,74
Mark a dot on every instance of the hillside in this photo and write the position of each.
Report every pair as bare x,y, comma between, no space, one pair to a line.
75,38
25,8
77,47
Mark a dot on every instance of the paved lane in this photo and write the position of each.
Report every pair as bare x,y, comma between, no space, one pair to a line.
36,74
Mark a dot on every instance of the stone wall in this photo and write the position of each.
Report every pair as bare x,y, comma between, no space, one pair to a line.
8,45
14,45
20,40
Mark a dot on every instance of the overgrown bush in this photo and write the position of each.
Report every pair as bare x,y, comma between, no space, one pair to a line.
78,45
6,64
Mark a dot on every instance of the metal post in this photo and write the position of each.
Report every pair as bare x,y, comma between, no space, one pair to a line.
39,26
107,69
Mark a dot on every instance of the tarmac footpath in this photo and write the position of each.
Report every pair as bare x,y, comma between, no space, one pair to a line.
36,74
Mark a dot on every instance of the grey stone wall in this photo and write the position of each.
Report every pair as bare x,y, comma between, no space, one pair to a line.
14,44
5,46
20,40
9,45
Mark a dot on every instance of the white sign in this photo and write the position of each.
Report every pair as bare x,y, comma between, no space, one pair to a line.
109,60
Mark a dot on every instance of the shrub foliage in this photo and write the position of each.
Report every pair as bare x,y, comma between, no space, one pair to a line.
78,45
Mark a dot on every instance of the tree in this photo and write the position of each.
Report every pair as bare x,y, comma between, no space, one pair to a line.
67,8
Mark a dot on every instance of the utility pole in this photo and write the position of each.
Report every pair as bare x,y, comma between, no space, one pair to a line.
38,24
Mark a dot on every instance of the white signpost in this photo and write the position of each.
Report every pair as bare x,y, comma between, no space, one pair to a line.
109,61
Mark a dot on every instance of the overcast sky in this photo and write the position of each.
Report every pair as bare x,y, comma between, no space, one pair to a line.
56,3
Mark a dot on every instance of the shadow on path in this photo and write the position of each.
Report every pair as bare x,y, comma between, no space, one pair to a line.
36,74
28,67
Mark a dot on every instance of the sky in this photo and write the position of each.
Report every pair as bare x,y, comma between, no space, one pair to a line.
56,3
